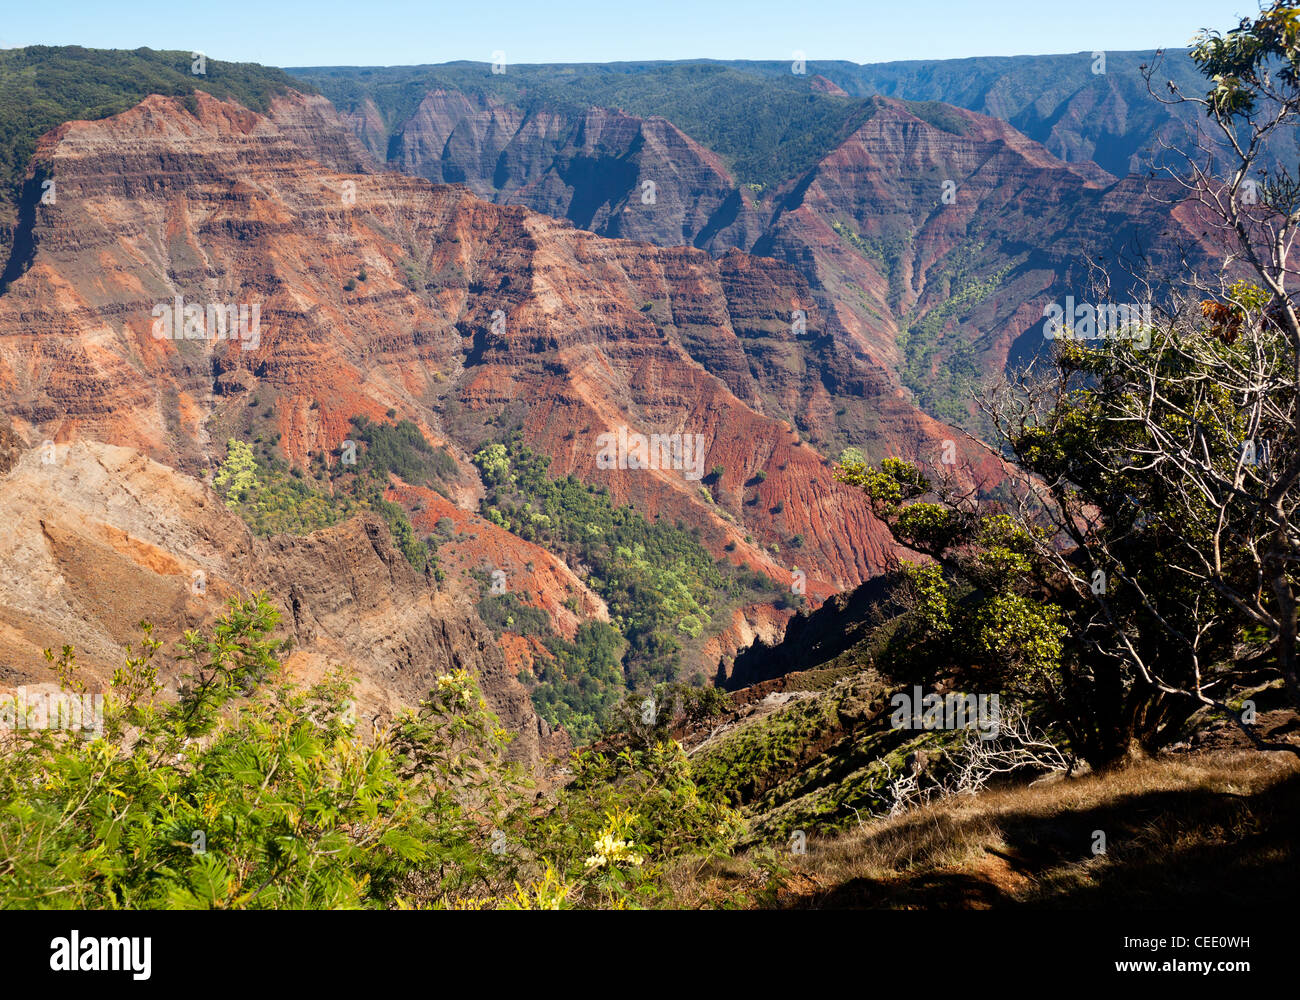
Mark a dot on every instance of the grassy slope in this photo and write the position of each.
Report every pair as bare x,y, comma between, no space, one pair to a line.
1204,829
1207,822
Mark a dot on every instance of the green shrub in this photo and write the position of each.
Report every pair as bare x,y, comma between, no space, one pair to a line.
279,805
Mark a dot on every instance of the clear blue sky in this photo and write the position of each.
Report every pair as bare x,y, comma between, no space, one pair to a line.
389,32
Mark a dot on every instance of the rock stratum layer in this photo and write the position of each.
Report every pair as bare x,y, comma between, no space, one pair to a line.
104,538
381,293
934,235
466,307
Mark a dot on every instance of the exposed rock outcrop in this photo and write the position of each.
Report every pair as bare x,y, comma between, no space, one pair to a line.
382,292
104,538
930,237
602,169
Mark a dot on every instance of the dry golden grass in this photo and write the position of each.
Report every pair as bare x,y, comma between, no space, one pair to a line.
1214,827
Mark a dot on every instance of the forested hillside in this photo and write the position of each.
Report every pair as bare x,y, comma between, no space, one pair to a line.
44,86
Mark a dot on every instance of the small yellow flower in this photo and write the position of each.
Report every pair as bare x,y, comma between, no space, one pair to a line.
610,848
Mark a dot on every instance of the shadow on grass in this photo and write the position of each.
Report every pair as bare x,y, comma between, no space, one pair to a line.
1193,847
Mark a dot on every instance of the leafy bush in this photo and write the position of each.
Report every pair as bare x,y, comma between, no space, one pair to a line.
252,793
273,498
581,681
279,805
401,449
650,812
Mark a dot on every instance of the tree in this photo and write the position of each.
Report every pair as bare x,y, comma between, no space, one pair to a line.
1155,474
1252,107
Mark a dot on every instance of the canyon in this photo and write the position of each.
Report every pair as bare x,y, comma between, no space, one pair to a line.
932,233
486,268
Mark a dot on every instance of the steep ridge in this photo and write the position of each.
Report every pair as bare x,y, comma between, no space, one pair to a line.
1089,106
104,538
468,315
595,167
44,86
939,235
839,625
1081,108
935,235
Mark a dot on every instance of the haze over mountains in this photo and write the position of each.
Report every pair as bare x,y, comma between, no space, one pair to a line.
784,265
1080,108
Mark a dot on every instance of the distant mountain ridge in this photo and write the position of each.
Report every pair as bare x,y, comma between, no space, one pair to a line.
936,235
1078,108
627,277
42,86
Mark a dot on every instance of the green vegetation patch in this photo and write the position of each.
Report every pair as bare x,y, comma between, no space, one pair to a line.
661,585
43,86
947,394
275,498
